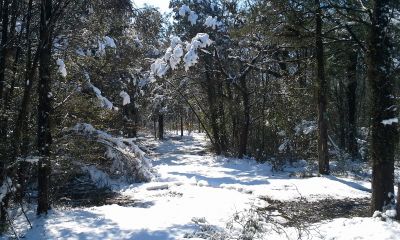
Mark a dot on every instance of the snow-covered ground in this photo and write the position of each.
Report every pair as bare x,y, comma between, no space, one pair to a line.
193,184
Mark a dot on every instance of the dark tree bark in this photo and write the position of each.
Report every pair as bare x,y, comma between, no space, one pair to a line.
155,127
3,46
29,73
384,137
160,126
398,203
15,51
131,118
246,119
322,88
341,115
213,118
3,128
44,107
352,105
22,118
181,125
223,139
130,111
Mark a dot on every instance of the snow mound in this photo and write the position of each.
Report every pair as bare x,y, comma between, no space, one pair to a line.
128,159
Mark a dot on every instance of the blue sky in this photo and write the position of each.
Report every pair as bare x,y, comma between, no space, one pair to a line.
161,4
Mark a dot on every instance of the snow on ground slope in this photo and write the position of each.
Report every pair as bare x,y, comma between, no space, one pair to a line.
194,184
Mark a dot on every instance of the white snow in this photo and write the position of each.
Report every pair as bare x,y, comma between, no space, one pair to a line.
212,22
5,188
192,184
104,102
100,178
183,10
105,42
201,40
61,67
108,41
358,228
192,18
174,53
136,166
390,121
176,56
159,67
126,99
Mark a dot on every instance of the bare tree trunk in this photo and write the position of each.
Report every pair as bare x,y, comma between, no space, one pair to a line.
322,91
213,114
384,136
181,125
22,118
44,108
12,48
155,127
398,202
246,119
3,46
352,105
341,117
3,128
160,126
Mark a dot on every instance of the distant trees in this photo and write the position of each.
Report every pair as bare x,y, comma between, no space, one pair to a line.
282,80
253,105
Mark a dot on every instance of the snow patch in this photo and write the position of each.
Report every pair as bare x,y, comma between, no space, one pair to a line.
126,99
212,22
100,178
390,121
61,67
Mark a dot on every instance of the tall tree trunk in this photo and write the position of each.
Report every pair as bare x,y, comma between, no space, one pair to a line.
398,203
342,115
352,105
384,135
246,119
11,46
155,127
44,107
3,46
22,118
160,126
322,89
181,125
211,98
3,128
223,139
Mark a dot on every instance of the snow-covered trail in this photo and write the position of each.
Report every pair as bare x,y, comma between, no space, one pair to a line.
192,183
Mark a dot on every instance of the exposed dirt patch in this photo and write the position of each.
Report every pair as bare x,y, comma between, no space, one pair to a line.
300,212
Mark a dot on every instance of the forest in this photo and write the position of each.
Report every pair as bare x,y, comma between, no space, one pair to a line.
209,119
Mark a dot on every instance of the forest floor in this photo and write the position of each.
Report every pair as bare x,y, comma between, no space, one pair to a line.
201,196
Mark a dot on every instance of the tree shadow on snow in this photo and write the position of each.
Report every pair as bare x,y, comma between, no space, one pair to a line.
85,225
349,183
